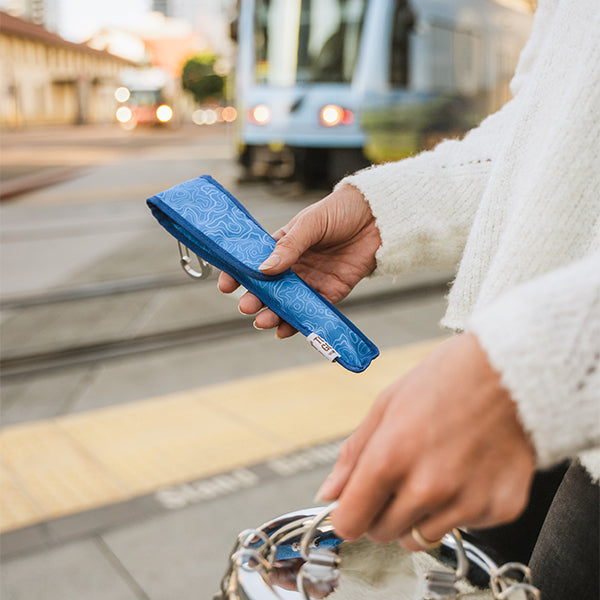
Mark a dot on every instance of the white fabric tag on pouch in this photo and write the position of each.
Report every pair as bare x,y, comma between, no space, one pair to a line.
318,343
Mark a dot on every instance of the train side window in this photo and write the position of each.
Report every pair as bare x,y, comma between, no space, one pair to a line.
442,58
403,23
468,56
455,59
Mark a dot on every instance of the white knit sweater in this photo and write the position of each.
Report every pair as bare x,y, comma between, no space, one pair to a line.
517,203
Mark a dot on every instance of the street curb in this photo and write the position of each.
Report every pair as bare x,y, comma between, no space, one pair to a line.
29,183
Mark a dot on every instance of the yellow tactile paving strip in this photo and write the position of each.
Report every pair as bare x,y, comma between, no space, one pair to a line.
78,462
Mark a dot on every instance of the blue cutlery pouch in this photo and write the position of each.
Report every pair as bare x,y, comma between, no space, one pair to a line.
206,218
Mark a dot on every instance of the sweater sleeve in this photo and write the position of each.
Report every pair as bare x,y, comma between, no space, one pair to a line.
543,337
424,206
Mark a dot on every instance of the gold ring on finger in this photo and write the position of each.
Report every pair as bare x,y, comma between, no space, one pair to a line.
422,541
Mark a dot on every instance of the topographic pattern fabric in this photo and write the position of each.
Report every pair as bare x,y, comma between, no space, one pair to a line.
205,217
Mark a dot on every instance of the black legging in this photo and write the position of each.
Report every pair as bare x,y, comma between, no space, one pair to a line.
557,535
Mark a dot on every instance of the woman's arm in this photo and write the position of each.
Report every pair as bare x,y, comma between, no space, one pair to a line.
543,337
424,206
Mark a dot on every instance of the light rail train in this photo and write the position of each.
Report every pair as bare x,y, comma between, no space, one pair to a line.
145,98
325,87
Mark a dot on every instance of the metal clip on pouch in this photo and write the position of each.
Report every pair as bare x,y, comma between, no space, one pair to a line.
205,217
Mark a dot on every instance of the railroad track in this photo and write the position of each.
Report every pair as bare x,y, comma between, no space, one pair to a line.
96,290
26,365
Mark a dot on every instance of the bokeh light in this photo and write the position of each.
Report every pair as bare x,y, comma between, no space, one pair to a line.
164,113
261,114
122,94
332,115
124,114
229,114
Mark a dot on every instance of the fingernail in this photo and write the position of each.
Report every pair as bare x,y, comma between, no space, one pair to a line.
324,492
257,327
319,495
270,263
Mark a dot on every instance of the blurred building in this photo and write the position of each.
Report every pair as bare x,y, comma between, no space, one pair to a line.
160,46
208,18
170,41
123,43
162,6
154,41
46,79
40,12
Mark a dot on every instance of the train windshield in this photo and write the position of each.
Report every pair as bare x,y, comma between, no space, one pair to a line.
307,41
145,97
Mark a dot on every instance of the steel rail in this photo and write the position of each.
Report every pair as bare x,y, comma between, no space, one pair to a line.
96,290
20,366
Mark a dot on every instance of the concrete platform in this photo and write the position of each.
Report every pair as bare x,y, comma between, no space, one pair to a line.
79,462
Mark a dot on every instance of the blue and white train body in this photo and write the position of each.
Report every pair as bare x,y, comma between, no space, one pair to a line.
324,86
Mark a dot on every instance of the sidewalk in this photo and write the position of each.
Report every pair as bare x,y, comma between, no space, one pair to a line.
147,498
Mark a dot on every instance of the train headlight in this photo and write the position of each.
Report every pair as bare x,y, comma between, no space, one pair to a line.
332,115
260,114
124,114
122,94
164,113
